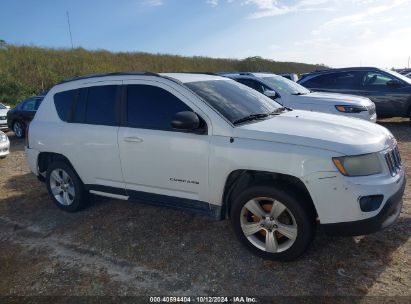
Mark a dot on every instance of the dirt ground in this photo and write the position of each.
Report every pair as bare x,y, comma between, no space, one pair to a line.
121,248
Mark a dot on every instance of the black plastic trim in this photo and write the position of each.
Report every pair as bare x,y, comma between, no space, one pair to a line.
184,204
370,225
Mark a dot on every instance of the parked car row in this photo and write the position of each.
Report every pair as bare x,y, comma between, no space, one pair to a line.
211,145
295,96
389,90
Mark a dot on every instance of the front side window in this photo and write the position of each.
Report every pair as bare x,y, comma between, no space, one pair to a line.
376,79
151,107
252,84
233,100
101,105
285,86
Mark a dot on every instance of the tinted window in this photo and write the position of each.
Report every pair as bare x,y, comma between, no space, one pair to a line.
285,86
79,112
233,100
101,105
150,107
63,102
38,103
252,84
335,80
29,105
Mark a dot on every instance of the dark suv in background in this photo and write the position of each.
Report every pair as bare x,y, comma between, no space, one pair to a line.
389,90
20,116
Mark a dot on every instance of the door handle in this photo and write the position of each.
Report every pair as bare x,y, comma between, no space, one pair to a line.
133,139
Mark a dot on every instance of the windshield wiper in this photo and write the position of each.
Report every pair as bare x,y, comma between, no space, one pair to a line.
279,110
299,93
251,118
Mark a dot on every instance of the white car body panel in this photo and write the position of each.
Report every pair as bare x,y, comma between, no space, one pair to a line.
3,119
4,146
296,143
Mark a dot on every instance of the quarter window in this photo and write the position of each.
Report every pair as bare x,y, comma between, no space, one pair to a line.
151,107
63,102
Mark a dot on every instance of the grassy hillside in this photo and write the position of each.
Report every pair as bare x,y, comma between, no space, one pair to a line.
26,71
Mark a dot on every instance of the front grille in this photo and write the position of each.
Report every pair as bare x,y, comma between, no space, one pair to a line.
371,109
393,160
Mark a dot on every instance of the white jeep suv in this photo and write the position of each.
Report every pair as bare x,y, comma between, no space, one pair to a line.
293,95
213,146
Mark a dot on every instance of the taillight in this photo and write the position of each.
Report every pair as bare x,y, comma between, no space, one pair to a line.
27,136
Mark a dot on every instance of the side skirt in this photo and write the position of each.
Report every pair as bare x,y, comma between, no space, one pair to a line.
178,203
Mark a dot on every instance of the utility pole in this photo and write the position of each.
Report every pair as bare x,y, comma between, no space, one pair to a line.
69,28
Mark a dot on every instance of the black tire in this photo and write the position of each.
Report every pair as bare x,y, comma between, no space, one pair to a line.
80,197
19,129
303,216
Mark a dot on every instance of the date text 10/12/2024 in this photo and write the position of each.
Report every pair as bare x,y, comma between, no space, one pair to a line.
204,299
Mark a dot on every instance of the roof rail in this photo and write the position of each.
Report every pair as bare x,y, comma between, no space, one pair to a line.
110,74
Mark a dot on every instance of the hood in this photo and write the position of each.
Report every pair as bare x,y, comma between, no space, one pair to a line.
334,98
349,136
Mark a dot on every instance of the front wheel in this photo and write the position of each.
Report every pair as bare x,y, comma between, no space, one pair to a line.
272,223
18,129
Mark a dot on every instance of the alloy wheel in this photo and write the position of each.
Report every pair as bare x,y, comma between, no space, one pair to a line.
62,187
268,224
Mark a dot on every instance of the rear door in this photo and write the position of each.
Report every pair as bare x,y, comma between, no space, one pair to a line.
90,136
161,164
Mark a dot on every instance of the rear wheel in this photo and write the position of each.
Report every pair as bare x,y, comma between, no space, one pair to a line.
272,223
18,129
65,187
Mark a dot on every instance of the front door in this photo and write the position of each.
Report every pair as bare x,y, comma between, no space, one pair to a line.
160,164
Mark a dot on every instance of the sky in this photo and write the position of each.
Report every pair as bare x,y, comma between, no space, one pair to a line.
338,33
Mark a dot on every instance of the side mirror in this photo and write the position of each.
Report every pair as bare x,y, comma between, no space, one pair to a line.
186,121
270,93
394,83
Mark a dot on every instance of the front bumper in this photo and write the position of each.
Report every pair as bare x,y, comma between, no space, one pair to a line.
4,148
3,125
387,216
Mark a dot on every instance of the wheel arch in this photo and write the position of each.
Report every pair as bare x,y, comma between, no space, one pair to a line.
239,179
44,160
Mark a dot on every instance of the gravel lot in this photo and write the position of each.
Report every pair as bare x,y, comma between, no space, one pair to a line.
121,248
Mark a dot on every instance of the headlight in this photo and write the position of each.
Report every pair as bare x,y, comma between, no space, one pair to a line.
351,109
360,165
3,137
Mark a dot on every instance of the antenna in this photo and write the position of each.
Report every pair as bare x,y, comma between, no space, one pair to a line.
69,28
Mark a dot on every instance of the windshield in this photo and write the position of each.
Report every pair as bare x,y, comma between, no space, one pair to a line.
2,106
232,99
398,75
285,86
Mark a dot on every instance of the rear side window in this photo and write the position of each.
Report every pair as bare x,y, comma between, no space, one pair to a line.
335,80
150,107
63,102
101,105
